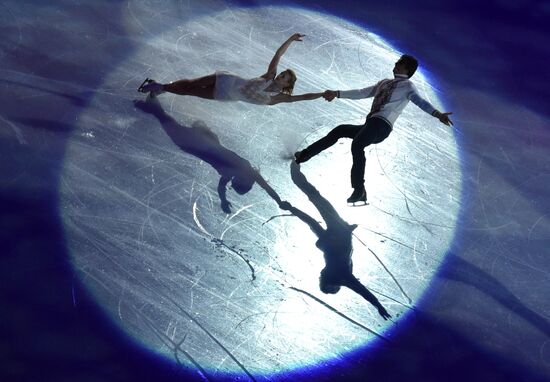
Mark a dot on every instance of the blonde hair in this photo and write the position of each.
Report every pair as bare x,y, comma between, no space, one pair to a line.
288,90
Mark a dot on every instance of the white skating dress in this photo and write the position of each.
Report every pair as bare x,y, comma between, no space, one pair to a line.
230,87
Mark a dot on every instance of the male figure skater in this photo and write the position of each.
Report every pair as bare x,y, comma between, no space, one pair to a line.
390,97
335,241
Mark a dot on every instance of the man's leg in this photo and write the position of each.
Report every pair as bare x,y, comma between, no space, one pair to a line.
374,131
342,131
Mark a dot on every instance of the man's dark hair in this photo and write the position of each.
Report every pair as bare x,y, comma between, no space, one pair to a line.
410,63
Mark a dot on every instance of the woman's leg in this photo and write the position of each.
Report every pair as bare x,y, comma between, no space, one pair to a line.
199,87
342,131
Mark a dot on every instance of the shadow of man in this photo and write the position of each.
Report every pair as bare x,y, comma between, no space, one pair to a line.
335,241
200,141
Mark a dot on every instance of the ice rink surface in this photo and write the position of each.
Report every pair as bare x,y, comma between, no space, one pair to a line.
119,263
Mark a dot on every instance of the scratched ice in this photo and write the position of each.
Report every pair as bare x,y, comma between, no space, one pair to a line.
239,292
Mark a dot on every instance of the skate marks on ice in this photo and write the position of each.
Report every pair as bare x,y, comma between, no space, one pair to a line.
336,311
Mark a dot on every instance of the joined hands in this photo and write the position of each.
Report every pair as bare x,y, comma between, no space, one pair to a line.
329,95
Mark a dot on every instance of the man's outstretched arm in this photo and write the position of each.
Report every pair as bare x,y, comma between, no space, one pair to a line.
356,286
428,108
443,117
367,92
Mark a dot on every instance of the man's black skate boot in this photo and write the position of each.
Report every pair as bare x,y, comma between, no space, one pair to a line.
358,195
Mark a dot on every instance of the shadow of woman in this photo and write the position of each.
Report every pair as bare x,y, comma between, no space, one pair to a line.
200,141
335,241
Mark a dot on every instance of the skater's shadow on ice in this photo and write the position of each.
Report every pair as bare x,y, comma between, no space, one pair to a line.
201,142
335,241
79,99
46,124
462,271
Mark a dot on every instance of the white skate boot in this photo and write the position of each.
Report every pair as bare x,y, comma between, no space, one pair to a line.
150,86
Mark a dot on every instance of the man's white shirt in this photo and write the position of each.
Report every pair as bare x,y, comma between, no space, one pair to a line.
404,92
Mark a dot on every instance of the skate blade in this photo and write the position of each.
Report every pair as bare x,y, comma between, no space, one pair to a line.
360,203
146,81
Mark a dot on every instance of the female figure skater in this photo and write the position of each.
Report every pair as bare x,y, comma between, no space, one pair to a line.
268,89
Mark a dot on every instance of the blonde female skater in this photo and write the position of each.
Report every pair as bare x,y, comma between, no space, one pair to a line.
267,89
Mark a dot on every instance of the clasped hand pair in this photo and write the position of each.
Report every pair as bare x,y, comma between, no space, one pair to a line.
329,95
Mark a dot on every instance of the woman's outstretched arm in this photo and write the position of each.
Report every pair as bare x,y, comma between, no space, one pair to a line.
270,191
272,68
287,98
222,184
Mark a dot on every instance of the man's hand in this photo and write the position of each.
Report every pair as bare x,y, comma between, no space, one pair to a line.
444,118
296,37
329,95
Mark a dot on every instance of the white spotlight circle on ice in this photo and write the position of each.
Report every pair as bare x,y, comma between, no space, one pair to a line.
146,232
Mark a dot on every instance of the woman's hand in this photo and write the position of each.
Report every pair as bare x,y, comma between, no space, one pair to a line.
226,206
296,37
272,68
